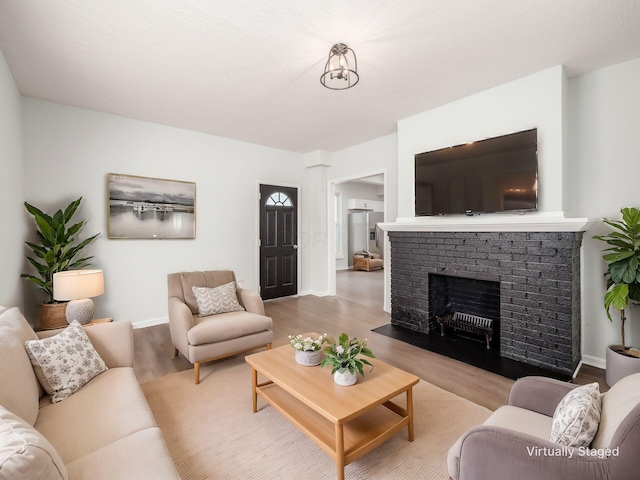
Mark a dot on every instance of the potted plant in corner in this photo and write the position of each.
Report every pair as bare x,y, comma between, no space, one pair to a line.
623,284
56,252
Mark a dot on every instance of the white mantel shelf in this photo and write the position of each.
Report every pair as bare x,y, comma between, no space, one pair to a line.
538,222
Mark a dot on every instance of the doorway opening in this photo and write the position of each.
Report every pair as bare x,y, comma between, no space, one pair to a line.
357,207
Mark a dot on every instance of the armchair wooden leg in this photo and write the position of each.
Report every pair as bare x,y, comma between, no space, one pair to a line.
268,346
196,369
175,352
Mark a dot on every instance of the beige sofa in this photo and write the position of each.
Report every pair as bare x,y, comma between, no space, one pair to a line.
103,431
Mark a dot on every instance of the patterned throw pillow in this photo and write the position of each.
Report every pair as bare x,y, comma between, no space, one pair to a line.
577,416
65,362
221,299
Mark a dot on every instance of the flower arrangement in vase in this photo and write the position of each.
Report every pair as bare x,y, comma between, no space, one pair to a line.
343,357
308,352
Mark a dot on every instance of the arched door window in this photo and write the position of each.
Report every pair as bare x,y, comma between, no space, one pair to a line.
279,199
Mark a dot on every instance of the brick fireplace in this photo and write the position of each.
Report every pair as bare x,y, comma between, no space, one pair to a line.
537,277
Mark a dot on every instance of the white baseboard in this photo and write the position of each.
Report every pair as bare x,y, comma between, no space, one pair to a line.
577,370
594,361
150,322
313,292
339,269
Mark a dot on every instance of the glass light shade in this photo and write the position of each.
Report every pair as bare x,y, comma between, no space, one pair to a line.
341,69
77,284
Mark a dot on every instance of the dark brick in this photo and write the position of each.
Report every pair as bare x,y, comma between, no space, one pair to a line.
539,275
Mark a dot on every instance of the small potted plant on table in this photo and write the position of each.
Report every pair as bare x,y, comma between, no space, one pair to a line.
343,357
308,352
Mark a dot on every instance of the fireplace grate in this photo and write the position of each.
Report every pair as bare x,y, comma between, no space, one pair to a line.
465,322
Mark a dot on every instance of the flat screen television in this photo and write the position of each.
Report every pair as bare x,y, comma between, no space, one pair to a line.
497,174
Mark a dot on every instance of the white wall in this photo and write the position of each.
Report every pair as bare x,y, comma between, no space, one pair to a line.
531,102
367,158
348,190
68,153
604,127
13,216
313,240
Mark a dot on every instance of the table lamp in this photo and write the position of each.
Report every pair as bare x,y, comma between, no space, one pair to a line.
78,286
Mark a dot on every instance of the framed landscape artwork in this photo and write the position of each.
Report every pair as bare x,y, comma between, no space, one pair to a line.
151,208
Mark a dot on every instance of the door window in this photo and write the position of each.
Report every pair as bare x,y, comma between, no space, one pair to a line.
279,199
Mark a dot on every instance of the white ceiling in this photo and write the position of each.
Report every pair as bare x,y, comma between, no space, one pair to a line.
249,70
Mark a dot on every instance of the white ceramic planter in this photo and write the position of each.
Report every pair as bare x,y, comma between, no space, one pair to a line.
308,359
345,379
620,366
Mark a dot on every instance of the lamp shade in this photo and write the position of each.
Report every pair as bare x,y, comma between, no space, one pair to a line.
76,284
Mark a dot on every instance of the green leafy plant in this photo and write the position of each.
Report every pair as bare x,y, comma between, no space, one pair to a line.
343,355
623,271
56,252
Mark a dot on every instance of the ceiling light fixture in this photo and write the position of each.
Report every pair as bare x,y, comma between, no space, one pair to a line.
341,69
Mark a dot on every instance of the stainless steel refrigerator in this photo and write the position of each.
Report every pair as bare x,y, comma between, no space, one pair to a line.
364,233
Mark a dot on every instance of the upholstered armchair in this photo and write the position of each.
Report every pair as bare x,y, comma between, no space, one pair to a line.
203,338
514,442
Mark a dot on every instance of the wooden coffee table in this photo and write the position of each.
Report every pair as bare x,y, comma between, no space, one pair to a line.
346,422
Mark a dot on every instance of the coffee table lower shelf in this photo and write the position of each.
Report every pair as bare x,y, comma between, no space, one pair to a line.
346,442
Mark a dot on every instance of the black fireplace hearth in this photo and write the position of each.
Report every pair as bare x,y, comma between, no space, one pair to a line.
471,353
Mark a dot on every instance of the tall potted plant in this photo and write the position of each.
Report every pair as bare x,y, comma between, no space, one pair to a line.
623,285
56,252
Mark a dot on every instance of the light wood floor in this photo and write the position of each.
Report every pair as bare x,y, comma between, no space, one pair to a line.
356,310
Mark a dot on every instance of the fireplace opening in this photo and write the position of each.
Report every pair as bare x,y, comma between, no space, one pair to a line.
465,308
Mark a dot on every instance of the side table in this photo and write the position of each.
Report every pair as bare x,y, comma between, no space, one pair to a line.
98,321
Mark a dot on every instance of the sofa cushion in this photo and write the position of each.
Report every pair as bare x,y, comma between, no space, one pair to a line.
226,326
141,455
109,407
211,278
65,362
576,419
222,299
617,403
25,453
19,388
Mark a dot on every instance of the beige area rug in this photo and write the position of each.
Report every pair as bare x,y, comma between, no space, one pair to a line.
212,433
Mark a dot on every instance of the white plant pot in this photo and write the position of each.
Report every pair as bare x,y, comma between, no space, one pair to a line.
346,378
620,366
308,359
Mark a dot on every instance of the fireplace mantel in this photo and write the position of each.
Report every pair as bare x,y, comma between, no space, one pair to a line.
535,222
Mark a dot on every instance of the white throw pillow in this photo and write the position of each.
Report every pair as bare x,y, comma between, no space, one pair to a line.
25,453
577,416
220,299
65,362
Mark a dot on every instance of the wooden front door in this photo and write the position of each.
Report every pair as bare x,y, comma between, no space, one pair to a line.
278,241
